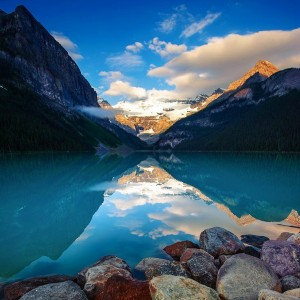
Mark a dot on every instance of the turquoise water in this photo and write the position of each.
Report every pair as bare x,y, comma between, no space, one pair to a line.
62,212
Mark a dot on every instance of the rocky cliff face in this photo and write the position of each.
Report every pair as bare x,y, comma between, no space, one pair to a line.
41,61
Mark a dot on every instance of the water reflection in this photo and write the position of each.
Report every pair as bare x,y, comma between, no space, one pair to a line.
60,213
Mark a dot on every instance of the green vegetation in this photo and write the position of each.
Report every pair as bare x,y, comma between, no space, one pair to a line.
272,125
28,124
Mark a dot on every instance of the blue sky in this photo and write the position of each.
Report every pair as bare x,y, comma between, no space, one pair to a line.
171,38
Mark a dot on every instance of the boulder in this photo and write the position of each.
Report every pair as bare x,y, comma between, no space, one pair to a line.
62,290
188,253
17,289
295,238
290,282
295,293
169,268
176,250
120,288
243,276
253,251
202,268
272,295
282,256
284,236
168,287
93,279
254,240
217,241
223,258
150,262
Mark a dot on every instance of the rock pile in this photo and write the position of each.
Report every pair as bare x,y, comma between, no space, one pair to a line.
219,267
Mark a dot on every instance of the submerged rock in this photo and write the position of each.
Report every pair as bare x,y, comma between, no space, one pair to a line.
272,295
290,282
295,238
169,287
177,249
254,240
282,256
62,290
217,241
17,289
243,276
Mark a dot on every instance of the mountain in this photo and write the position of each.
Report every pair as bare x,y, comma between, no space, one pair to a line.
260,115
41,88
262,67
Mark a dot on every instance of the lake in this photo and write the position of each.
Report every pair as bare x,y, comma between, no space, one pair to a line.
62,212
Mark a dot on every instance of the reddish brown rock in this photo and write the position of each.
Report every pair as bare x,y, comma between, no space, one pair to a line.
177,249
17,289
120,288
282,256
188,253
93,279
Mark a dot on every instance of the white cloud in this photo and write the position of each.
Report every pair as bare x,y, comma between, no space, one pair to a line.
111,75
196,27
125,60
168,24
124,88
166,49
225,59
70,46
135,48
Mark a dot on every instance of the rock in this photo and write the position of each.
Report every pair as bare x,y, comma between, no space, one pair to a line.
295,238
176,250
253,251
93,279
284,236
169,287
188,253
202,268
254,240
272,295
150,262
217,241
17,289
120,288
243,276
62,290
223,258
168,268
295,293
290,282
282,256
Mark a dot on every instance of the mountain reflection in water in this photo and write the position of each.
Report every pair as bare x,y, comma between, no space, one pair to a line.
60,213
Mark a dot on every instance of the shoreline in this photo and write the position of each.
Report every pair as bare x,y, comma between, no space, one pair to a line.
219,266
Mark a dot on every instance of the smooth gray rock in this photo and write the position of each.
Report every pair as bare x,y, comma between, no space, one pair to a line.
243,276
272,295
217,241
282,256
290,282
169,287
54,291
